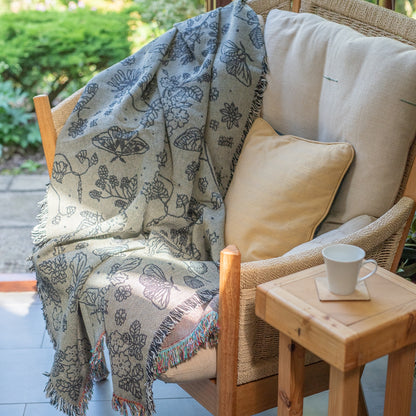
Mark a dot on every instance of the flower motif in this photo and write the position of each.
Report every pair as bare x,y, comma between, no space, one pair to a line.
214,94
176,118
216,200
230,115
71,354
214,125
120,365
103,172
192,170
202,184
129,187
115,342
155,190
78,127
113,181
55,268
123,81
122,293
120,316
59,171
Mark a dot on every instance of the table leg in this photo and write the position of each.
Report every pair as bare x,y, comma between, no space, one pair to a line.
291,376
343,392
400,382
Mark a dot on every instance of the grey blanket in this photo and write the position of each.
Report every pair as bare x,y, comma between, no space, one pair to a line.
132,225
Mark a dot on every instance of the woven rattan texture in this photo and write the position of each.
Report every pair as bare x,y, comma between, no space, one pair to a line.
365,18
263,7
61,112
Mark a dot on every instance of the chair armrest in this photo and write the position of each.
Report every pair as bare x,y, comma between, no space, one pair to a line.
369,238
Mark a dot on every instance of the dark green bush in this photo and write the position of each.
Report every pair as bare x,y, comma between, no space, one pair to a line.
50,51
17,126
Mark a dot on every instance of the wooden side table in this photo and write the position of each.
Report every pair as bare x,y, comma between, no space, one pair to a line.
345,334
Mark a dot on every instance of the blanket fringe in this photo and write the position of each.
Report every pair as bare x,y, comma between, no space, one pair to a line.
204,335
61,404
254,113
99,371
39,231
165,328
127,407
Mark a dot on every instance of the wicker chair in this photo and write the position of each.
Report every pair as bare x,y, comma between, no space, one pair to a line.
247,364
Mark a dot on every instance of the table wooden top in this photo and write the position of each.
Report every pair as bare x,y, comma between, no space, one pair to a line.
346,334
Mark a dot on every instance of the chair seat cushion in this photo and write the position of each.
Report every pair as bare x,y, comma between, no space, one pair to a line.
328,82
282,189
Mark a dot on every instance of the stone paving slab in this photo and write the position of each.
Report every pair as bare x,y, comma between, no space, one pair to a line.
15,248
19,209
5,181
29,183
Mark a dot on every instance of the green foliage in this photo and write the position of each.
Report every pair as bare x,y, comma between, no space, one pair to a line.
50,51
407,267
407,7
17,126
166,13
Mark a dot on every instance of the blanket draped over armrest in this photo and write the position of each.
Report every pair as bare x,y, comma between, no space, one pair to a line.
132,225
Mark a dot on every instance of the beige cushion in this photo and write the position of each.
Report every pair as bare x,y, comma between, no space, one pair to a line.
282,189
327,82
201,366
332,236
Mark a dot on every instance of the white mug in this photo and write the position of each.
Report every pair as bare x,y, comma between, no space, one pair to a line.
343,263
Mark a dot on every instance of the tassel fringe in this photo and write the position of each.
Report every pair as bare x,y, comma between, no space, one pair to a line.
204,335
126,407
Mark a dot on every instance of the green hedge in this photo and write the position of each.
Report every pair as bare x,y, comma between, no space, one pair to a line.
54,53
46,52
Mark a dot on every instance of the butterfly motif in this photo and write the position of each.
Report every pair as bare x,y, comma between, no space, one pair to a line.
120,143
235,59
191,140
86,97
157,287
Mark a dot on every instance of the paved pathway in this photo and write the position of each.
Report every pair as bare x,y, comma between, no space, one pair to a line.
19,198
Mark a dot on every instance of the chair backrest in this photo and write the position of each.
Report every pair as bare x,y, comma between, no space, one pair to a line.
372,20
52,120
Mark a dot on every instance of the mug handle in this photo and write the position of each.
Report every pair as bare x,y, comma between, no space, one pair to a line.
371,273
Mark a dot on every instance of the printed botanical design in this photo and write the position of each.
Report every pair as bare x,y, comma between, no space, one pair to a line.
157,286
235,58
123,190
230,115
88,94
191,140
120,143
124,347
196,280
80,271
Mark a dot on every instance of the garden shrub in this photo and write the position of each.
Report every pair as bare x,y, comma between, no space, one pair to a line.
50,51
17,126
